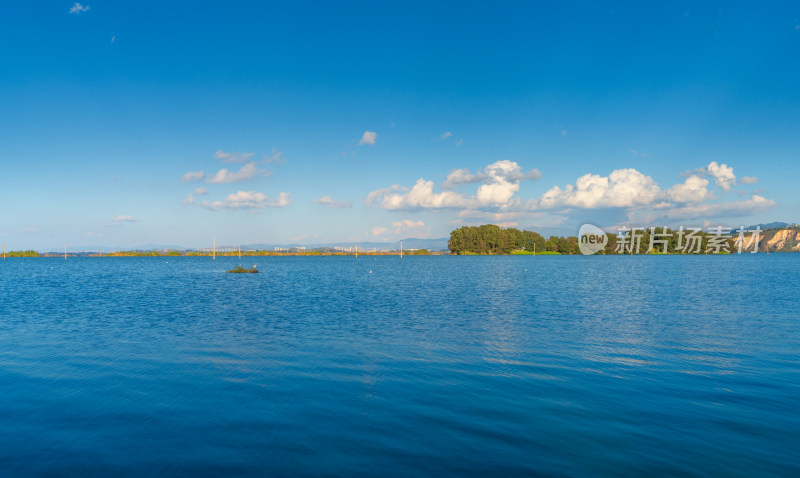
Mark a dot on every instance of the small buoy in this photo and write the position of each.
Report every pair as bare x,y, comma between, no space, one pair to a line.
370,271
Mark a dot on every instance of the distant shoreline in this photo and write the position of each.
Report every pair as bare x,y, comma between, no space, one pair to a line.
158,254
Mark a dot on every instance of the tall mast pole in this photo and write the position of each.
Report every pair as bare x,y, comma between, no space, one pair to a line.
401,249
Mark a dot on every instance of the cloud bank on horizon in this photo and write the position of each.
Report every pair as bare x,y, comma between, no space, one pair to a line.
630,194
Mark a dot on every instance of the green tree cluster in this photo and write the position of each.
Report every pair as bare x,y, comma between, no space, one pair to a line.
492,239
22,254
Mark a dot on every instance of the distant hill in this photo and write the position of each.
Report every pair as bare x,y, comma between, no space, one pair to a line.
767,226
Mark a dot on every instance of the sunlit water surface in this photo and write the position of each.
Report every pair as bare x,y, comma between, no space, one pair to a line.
560,366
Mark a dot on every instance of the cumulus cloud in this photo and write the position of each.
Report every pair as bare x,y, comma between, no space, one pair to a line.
201,191
499,182
248,171
78,8
446,135
188,200
500,171
641,200
248,200
748,180
722,174
192,176
330,202
232,157
622,188
694,189
369,137
420,196
377,231
123,218
623,192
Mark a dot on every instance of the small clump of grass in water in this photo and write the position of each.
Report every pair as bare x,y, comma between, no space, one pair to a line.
242,270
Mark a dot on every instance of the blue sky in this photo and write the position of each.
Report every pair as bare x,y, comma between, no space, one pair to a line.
374,121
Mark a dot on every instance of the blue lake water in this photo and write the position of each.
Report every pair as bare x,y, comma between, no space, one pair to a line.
558,366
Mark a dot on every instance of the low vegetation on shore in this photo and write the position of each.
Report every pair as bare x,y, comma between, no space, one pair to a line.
22,254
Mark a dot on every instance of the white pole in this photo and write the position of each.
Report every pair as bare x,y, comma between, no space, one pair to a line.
65,251
214,250
401,249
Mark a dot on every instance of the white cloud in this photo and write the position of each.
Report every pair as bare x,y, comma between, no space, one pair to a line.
750,206
232,157
748,180
248,200
638,154
499,182
622,188
188,200
694,189
407,227
192,176
622,193
461,176
446,135
421,195
121,219
402,229
369,137
459,142
330,202
223,176
201,191
641,200
722,174
276,158
78,8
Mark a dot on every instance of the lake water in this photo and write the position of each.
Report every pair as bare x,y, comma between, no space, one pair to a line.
559,366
